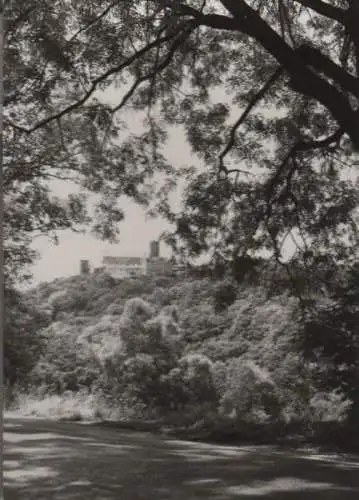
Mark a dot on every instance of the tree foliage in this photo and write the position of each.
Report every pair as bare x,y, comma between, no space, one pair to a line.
331,340
65,364
278,148
23,342
251,364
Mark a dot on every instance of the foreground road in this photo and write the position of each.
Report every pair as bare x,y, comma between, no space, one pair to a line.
68,461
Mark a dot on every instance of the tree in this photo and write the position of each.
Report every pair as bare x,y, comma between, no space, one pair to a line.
331,340
65,364
249,392
277,149
23,340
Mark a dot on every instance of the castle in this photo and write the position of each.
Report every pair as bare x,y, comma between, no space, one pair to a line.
125,267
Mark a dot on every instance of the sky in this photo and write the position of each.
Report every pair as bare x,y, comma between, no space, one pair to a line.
64,259
136,231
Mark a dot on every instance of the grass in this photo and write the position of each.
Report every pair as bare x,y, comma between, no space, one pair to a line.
56,407
88,408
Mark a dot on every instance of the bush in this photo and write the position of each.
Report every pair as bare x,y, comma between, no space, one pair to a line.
201,353
65,365
23,342
224,295
150,347
328,406
191,389
250,393
67,406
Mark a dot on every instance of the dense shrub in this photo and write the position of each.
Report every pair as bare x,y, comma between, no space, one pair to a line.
23,342
329,406
224,294
148,347
193,352
331,340
250,393
192,385
66,364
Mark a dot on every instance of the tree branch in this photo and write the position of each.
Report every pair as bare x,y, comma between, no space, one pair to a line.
352,26
300,146
161,66
94,86
252,103
325,9
319,61
303,79
158,68
94,21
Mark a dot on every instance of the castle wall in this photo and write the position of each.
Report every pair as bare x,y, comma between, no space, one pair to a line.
158,266
124,267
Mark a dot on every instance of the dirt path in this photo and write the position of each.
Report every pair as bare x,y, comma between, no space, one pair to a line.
69,461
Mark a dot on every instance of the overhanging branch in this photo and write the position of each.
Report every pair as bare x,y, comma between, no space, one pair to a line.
325,10
94,21
321,62
95,84
252,103
302,78
141,79
299,146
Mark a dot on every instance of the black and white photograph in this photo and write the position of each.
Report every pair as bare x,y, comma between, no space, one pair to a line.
179,249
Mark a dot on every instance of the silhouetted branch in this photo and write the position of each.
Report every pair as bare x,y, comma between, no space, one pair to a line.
94,21
321,62
301,146
325,9
252,103
94,85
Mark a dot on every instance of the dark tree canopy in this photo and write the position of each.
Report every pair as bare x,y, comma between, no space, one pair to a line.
266,92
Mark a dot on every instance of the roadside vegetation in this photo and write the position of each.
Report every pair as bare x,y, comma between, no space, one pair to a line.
202,356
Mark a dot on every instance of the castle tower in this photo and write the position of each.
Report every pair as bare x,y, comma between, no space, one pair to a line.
154,249
84,267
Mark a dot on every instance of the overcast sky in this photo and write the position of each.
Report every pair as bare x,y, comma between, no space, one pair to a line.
64,259
136,230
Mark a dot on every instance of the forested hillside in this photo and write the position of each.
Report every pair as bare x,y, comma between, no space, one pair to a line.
247,113
189,352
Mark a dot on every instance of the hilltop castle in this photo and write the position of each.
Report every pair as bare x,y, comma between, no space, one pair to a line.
125,267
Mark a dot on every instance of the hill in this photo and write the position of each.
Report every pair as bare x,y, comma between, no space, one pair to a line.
187,352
